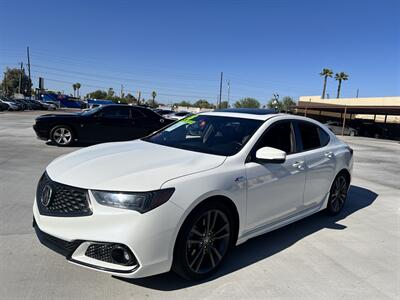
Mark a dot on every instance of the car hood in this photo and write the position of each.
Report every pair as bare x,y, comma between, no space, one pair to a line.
48,116
128,166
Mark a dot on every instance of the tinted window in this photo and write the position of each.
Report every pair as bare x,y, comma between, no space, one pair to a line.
115,112
207,134
309,135
136,113
323,137
279,136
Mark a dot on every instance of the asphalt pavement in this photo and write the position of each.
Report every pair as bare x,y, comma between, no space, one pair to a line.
355,255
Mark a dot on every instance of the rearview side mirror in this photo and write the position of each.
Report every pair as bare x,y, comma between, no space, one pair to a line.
271,155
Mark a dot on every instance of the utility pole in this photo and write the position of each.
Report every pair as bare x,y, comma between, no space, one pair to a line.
29,74
20,79
229,90
122,91
357,92
220,90
139,96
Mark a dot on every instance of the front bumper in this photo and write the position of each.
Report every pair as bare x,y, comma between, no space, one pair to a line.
41,134
150,237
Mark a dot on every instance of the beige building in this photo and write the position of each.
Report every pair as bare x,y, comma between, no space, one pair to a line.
379,109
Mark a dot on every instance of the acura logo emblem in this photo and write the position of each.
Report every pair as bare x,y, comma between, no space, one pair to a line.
46,195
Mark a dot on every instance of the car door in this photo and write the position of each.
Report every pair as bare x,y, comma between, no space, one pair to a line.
319,160
274,190
110,123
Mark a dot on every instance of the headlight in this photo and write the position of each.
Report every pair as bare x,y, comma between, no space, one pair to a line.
139,201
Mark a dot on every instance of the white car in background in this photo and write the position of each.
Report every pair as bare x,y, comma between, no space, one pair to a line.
337,128
178,115
181,198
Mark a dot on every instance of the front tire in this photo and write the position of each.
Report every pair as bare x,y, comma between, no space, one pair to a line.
337,195
62,135
203,241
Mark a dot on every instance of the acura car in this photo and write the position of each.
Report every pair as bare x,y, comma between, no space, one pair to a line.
182,197
105,123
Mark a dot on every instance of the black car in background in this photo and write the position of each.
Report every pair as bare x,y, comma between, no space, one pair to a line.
102,124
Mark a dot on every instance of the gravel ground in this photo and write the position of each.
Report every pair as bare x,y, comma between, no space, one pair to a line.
353,256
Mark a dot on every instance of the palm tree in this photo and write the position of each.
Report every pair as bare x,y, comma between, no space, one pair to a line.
340,76
325,73
153,95
78,86
74,87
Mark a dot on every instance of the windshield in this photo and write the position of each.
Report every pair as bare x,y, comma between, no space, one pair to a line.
207,134
91,111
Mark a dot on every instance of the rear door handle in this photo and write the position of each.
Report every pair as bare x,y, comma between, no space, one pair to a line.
329,154
298,164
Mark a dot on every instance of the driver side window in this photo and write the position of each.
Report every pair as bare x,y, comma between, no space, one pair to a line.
279,135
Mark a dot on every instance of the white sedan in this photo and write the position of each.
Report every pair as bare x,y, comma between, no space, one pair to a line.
182,197
178,115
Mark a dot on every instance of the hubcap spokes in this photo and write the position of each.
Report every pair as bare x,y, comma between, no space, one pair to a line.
208,241
339,193
62,136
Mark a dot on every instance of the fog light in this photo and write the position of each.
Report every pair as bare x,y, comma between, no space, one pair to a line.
121,255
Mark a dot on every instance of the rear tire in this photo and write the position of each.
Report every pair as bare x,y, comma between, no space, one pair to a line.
62,135
338,194
352,133
203,242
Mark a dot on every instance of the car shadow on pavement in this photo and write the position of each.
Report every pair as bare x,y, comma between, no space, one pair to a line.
266,245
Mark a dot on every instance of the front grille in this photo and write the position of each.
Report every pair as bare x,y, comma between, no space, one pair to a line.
64,200
60,246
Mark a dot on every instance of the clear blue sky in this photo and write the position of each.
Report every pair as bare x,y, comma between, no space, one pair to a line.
178,48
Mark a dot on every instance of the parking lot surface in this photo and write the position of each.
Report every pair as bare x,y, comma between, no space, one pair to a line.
355,255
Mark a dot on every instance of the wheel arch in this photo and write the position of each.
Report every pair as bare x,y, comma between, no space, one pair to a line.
346,173
69,125
229,203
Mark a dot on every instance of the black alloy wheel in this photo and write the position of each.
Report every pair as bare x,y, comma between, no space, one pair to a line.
338,195
203,242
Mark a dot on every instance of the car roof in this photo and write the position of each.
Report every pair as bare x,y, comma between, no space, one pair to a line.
247,113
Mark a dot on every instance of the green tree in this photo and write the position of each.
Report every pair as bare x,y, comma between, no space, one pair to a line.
201,103
130,98
153,96
152,103
110,93
247,103
74,87
339,77
10,82
274,103
224,104
287,103
325,73
183,103
78,86
98,94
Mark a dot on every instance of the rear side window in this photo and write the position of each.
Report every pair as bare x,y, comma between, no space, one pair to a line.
309,135
136,113
323,137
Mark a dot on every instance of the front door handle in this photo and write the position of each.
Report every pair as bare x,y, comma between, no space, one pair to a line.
298,164
329,154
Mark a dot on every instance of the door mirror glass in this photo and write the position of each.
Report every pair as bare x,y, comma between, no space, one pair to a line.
272,155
